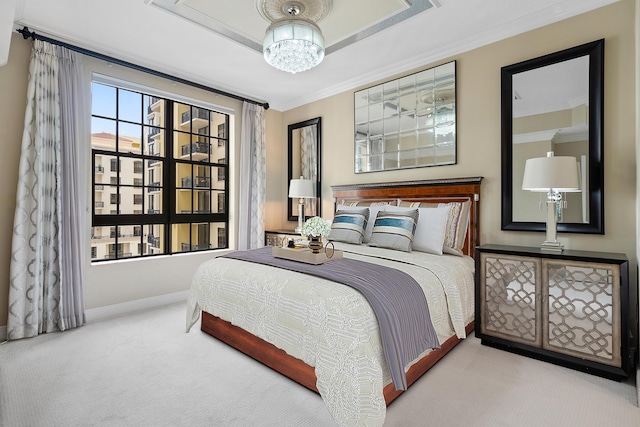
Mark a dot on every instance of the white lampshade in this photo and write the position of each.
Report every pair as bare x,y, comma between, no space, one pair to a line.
301,188
551,173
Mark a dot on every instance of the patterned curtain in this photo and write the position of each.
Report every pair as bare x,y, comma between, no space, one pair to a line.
253,177
46,273
309,163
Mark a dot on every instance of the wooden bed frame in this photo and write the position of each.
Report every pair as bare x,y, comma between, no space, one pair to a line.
433,191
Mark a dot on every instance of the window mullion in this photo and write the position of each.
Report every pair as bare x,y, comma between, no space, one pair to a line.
169,175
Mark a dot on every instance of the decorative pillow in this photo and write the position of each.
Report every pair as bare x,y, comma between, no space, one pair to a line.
348,225
394,230
431,229
374,208
457,224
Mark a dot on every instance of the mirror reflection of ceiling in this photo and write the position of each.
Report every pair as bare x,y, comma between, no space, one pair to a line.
557,87
552,88
341,22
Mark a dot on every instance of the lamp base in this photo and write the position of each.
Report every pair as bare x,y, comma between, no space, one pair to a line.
300,216
547,246
551,243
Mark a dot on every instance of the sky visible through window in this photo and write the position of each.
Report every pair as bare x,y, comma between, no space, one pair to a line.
103,103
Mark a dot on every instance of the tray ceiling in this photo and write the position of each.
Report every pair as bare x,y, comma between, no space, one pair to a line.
341,22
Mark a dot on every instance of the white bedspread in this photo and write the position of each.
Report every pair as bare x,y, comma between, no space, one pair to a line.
331,326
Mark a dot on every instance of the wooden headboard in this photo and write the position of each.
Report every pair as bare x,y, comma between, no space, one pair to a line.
430,191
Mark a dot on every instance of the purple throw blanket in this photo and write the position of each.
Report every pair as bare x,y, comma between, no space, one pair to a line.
396,298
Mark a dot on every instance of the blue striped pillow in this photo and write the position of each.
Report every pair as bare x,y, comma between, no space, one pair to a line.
348,226
395,230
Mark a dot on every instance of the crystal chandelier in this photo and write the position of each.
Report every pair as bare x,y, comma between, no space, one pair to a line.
293,44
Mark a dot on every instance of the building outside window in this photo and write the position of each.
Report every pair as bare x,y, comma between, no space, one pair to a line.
161,160
137,167
221,171
222,237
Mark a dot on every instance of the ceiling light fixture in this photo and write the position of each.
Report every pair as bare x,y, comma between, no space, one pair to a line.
293,44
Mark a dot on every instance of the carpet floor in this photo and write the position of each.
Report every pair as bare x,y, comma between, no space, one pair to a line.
144,370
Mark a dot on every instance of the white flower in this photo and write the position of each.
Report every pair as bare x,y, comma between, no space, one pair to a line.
316,226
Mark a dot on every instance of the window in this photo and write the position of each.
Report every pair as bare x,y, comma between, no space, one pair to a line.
221,171
222,237
221,200
160,182
137,167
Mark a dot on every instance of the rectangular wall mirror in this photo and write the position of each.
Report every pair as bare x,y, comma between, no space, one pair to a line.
554,103
304,141
408,122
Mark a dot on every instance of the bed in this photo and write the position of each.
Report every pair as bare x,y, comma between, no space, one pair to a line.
324,335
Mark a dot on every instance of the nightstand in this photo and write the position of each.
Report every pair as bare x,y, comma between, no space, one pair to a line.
279,237
569,308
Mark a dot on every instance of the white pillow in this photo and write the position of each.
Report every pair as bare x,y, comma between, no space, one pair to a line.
374,208
431,229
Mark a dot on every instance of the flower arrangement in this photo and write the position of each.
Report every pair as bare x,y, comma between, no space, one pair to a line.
315,227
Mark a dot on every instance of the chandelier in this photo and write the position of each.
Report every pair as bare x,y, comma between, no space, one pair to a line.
293,44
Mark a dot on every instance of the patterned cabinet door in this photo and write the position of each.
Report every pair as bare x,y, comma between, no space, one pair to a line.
509,298
272,239
583,310
279,238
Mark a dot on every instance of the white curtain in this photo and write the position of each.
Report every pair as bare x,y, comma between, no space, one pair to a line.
309,162
47,253
253,177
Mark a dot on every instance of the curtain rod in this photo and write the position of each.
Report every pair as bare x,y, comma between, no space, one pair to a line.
26,33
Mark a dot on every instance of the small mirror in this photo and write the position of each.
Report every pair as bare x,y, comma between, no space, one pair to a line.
554,103
304,161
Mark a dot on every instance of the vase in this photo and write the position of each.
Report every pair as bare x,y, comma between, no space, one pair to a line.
315,244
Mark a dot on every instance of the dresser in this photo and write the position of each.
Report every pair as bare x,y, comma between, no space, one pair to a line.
570,308
279,237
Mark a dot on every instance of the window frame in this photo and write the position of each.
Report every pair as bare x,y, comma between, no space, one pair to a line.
169,215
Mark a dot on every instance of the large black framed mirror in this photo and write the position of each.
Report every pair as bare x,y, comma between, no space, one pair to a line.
554,103
304,141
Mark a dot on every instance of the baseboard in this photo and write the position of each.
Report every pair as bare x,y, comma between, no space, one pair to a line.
129,307
3,333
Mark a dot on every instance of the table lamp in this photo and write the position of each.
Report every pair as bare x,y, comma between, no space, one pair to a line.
301,189
551,175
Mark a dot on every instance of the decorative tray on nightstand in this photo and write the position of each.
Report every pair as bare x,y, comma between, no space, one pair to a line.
304,254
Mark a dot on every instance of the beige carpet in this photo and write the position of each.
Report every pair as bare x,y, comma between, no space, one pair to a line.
143,370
